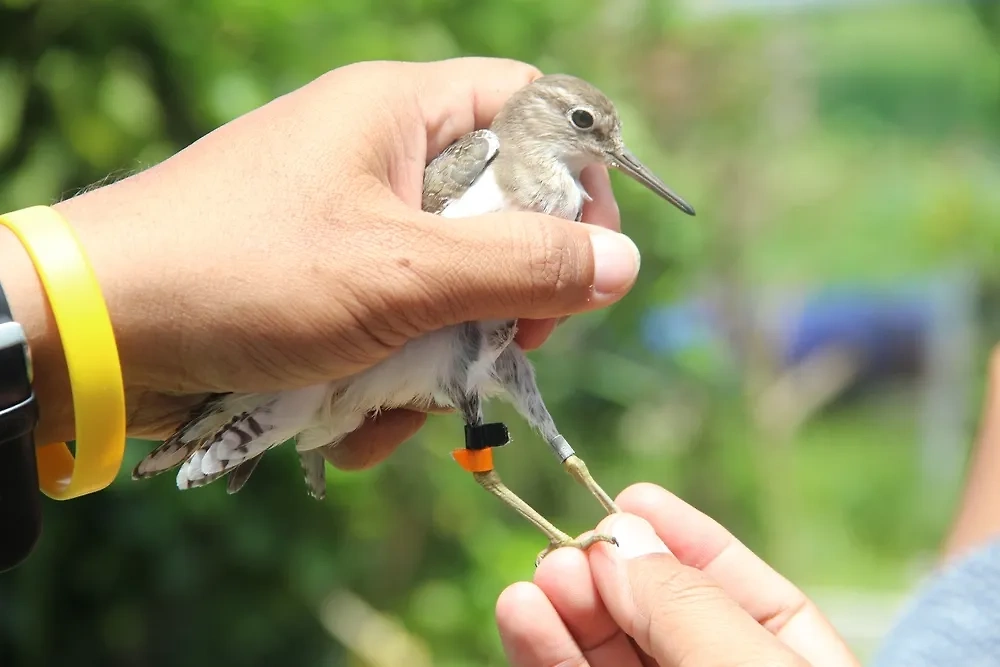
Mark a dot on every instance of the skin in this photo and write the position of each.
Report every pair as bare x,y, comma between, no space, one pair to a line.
978,520
287,248
707,601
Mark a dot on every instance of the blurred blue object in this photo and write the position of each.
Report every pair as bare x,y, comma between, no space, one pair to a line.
889,328
680,327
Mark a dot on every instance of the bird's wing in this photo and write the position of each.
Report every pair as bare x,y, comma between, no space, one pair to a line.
229,430
454,171
208,416
255,426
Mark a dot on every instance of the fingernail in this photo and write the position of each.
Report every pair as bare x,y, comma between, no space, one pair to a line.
616,262
636,537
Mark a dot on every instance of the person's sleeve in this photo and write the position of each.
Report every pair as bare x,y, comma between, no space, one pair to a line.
953,620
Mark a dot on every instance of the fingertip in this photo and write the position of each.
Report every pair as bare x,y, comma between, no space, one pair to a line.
517,603
616,261
375,440
643,498
531,631
516,599
559,567
636,537
531,334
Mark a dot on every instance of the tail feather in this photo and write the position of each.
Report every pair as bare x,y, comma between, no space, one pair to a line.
314,471
239,476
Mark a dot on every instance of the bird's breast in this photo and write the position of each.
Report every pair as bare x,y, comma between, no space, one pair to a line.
483,196
557,194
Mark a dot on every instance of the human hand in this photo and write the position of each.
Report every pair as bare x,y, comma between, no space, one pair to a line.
708,600
287,248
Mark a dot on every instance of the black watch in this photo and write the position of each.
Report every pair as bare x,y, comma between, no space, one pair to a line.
20,499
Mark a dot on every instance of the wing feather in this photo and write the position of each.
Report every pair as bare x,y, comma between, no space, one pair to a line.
454,171
239,476
275,419
182,443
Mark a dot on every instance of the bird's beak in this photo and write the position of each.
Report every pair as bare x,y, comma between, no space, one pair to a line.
624,160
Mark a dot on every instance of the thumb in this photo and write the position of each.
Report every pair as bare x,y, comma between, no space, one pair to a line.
523,265
675,613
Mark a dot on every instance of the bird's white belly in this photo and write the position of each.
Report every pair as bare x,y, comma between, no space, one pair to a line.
413,376
485,196
417,375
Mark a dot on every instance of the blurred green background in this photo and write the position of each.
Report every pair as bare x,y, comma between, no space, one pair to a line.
804,360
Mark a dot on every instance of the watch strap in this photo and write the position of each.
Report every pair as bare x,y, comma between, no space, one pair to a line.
20,499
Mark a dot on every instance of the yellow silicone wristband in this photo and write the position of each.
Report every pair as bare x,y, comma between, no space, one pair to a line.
88,342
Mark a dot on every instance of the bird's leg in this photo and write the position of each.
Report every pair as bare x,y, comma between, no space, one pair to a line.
518,379
471,408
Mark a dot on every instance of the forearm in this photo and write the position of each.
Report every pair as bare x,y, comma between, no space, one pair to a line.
978,518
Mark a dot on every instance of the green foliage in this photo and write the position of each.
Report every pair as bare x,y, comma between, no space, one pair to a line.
817,146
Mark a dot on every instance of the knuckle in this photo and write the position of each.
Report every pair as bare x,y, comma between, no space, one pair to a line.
373,318
552,268
678,591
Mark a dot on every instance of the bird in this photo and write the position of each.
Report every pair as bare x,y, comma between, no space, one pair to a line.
530,158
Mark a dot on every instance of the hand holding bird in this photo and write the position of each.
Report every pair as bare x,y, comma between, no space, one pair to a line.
530,159
287,251
288,248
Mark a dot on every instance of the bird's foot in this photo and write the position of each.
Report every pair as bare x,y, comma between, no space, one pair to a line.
581,543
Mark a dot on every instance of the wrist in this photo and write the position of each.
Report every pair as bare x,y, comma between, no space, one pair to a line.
75,314
30,308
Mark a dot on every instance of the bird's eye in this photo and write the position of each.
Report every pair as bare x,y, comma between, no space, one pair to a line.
582,118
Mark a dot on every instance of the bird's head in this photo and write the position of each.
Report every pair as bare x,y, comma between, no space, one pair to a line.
577,124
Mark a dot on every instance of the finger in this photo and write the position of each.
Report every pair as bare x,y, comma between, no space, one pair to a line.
532,333
542,266
463,94
375,440
602,210
564,576
505,266
531,631
773,601
676,613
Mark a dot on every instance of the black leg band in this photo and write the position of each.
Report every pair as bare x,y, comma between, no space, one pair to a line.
486,436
